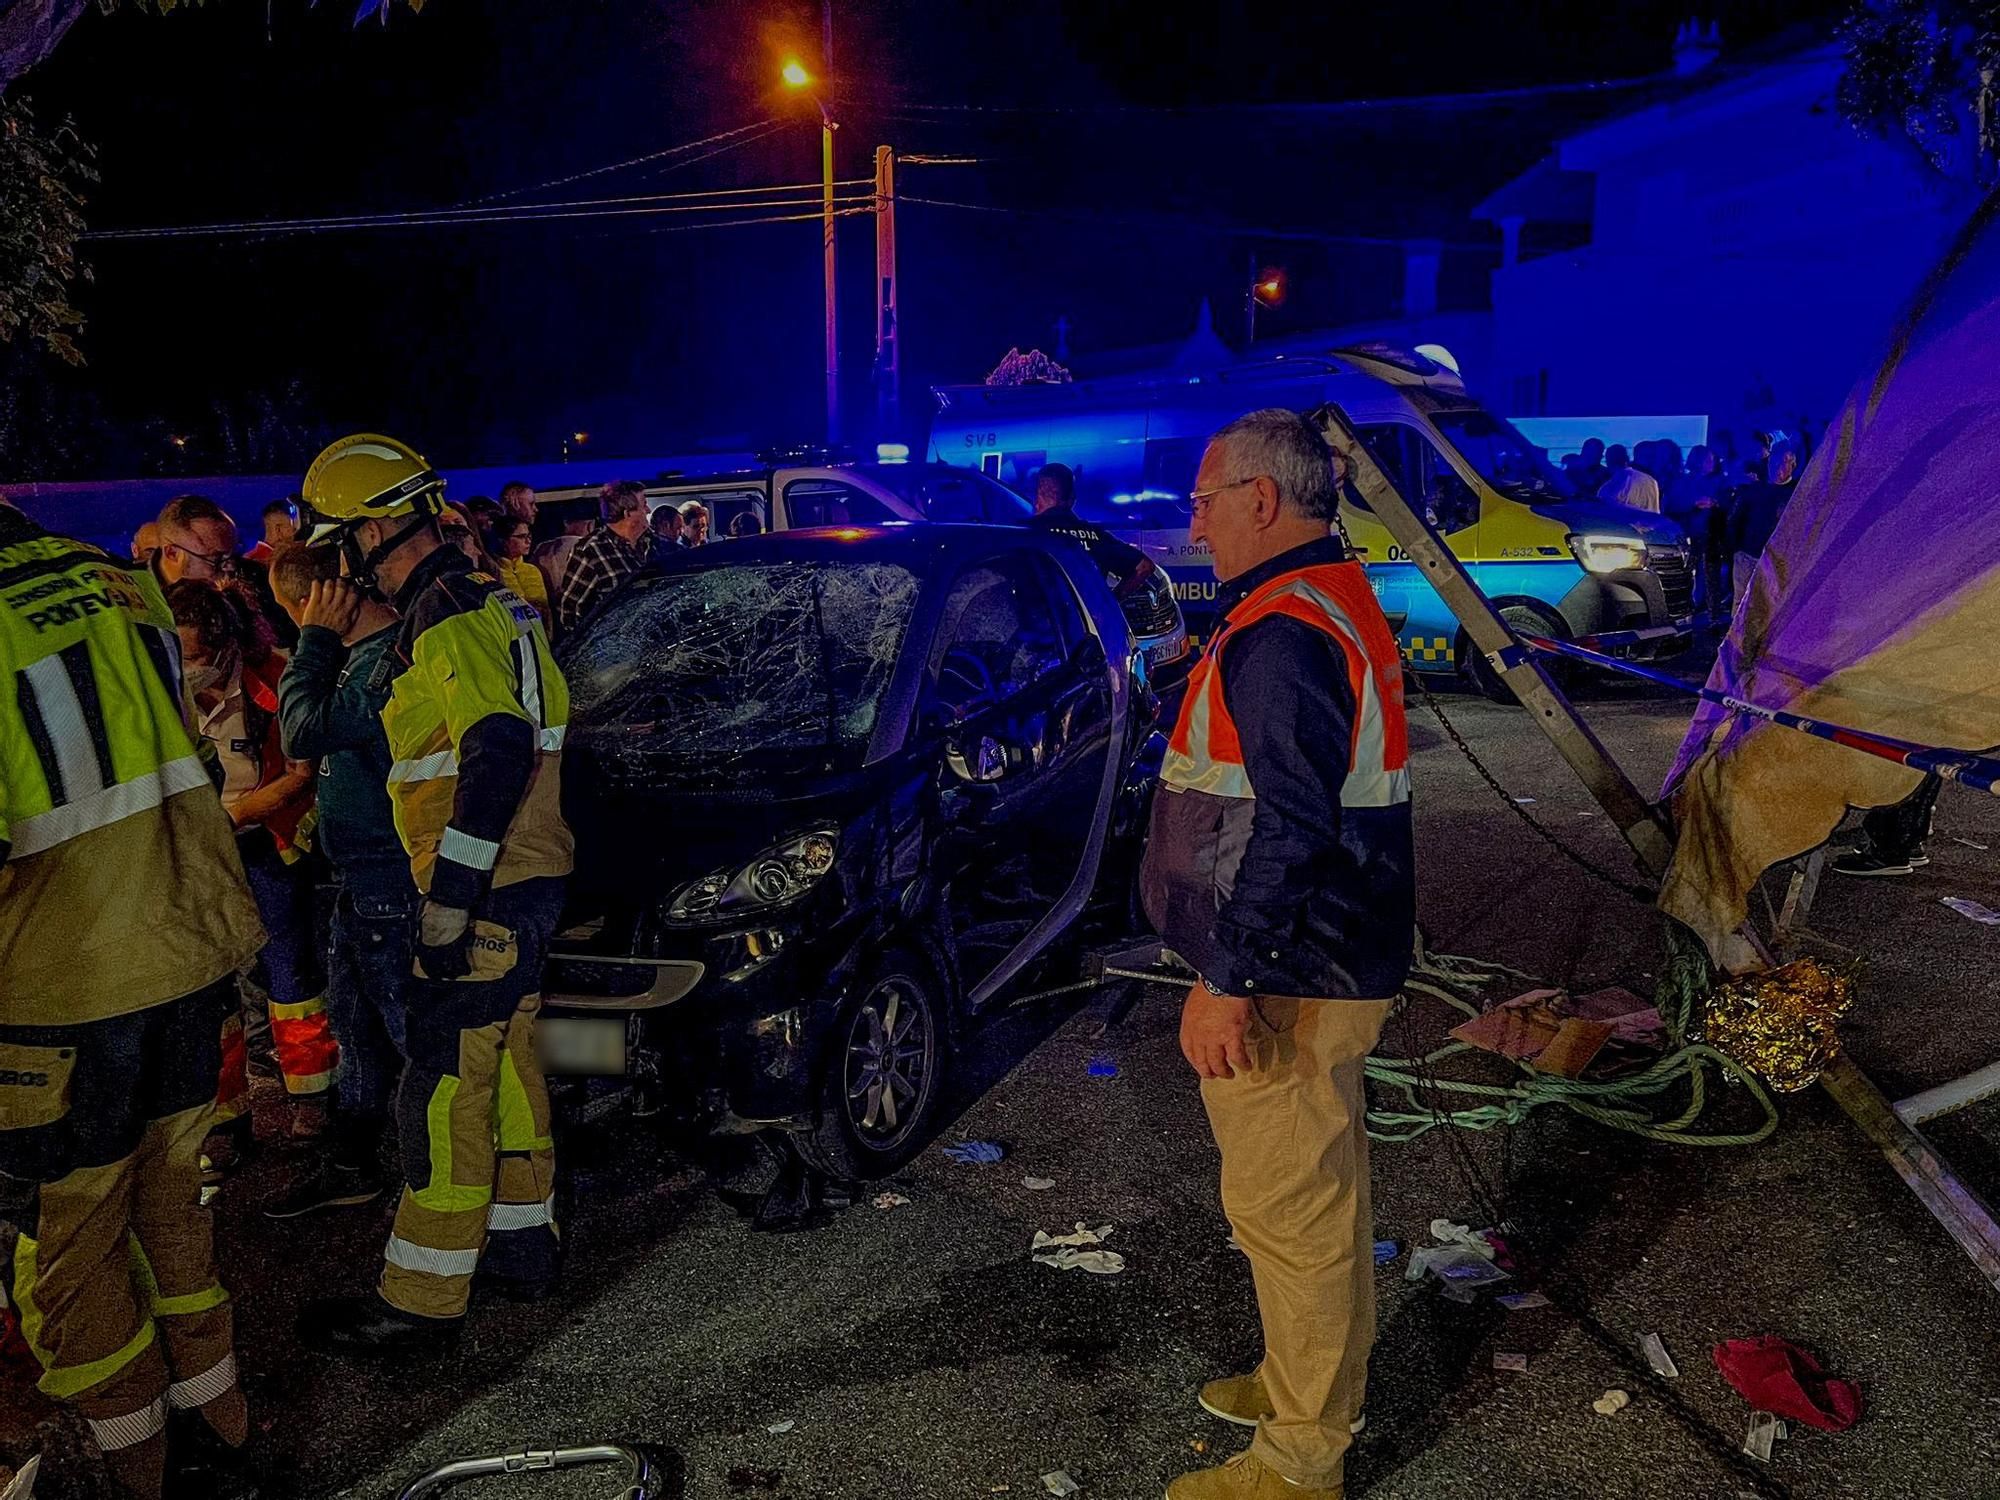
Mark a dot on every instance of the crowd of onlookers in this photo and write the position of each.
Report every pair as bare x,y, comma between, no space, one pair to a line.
1729,502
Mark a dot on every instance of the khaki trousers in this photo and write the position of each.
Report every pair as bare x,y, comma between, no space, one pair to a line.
1295,1187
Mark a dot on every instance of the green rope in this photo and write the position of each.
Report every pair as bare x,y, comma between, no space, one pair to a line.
1631,1103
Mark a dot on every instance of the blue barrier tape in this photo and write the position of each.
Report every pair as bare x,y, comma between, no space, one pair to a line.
1977,771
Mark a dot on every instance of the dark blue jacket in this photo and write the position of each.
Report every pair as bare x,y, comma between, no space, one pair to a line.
330,710
1299,895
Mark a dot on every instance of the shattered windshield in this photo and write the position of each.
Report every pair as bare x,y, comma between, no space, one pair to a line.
1504,458
708,667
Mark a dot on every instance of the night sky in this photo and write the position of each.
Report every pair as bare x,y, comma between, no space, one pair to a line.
1143,153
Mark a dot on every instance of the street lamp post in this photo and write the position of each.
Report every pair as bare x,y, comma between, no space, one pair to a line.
797,77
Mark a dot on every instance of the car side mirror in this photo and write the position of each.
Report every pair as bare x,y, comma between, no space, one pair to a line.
976,758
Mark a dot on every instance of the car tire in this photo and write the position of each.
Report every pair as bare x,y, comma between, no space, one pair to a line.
1525,619
882,1076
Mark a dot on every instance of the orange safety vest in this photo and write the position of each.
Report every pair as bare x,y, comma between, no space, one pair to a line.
1205,753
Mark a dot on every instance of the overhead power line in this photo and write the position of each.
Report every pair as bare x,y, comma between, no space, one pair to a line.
525,213
756,131
752,195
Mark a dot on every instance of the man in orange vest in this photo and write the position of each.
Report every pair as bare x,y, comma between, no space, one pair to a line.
1279,864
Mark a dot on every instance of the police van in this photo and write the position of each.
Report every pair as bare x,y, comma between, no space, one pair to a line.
1555,563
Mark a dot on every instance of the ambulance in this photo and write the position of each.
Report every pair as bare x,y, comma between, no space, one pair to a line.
1556,563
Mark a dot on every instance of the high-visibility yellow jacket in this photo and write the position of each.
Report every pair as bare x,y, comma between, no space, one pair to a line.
475,722
120,887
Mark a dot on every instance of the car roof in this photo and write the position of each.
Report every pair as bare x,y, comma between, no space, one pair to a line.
915,545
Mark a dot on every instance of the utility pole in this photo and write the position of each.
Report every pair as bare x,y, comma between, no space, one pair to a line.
888,332
826,166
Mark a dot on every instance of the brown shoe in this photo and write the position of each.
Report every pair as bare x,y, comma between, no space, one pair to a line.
1244,1477
1241,1399
1237,1398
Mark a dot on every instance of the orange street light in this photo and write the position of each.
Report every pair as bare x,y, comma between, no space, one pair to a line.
795,75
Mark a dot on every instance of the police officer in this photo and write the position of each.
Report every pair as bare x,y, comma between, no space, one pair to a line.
475,723
123,919
1124,566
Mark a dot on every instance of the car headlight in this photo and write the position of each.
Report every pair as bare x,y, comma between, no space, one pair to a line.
778,875
1608,554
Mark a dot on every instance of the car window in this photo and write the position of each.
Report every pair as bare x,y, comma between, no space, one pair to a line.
1421,473
999,634
829,502
726,505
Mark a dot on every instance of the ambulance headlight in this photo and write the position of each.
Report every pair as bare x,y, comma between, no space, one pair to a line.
774,878
1608,554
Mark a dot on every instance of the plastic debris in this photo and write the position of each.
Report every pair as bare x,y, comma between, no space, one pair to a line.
1059,1483
1447,1233
1611,1403
1097,1262
1386,1251
1524,801
22,1485
1657,1356
1985,915
976,1153
1457,1266
1069,1252
1103,1067
1765,1429
1517,1363
1083,1234
779,1429
1522,1301
1038,1184
1968,843
890,1200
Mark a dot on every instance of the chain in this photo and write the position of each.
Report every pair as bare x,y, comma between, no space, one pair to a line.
1639,893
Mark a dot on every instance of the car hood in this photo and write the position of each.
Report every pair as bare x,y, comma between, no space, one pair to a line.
1601,519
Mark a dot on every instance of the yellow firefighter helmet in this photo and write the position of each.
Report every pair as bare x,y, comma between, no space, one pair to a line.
366,477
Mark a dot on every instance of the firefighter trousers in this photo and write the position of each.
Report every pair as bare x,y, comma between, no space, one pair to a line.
473,1115
1295,1188
100,1169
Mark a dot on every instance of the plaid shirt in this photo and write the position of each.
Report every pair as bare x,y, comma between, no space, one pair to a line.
601,562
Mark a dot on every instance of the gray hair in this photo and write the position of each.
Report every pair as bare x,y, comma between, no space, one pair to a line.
1285,446
620,498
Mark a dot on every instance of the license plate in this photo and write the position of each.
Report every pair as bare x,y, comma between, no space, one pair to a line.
587,1044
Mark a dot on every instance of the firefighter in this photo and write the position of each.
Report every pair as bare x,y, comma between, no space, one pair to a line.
124,916
475,724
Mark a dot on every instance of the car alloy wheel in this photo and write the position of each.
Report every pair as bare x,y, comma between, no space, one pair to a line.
890,1062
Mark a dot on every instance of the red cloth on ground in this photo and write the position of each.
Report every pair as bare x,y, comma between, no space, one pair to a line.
1777,1376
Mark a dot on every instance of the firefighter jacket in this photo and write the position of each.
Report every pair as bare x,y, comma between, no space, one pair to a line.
475,723
1280,857
120,888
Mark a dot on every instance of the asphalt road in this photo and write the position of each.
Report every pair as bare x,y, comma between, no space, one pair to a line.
918,1352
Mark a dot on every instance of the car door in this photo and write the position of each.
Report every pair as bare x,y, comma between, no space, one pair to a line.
1023,688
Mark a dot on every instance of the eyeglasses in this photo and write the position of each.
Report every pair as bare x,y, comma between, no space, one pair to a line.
1198,500
225,563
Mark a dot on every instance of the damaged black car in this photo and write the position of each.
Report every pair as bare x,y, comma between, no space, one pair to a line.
838,796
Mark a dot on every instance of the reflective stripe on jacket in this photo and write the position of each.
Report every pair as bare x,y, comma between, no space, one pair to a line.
1308,889
121,888
475,723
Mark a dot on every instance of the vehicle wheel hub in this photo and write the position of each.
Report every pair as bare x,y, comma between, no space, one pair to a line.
890,1053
